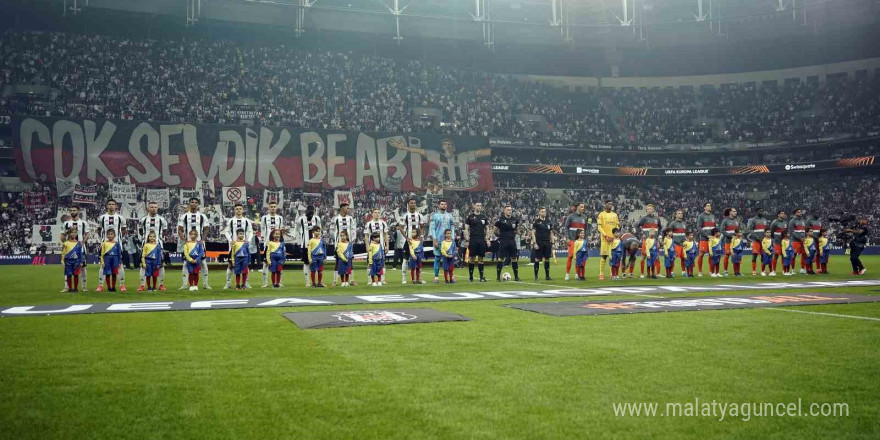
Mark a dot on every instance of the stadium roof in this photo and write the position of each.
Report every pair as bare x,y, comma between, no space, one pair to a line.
619,32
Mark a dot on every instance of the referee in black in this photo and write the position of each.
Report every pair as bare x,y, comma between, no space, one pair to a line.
475,234
857,245
505,229
542,242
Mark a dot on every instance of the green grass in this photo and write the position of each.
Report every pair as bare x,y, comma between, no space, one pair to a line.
251,373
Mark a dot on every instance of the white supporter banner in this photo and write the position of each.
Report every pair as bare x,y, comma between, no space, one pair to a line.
274,196
85,194
160,196
186,194
340,197
123,192
233,195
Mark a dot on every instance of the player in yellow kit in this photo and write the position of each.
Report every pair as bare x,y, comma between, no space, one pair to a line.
607,222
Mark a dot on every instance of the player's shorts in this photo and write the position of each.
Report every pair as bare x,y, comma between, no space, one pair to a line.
726,248
798,247
544,251
240,266
507,249
756,248
477,247
151,268
704,246
604,247
679,251
777,248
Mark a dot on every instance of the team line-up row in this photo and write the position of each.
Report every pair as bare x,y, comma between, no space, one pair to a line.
728,240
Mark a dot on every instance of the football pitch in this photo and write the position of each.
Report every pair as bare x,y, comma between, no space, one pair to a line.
507,373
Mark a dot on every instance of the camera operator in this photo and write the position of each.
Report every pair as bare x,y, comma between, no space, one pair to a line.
857,244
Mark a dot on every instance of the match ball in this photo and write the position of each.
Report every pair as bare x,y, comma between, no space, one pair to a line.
505,276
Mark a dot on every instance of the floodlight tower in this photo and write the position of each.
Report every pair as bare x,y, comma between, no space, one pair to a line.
300,25
75,6
193,11
561,18
482,16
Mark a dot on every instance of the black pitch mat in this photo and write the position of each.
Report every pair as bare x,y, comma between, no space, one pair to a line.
357,318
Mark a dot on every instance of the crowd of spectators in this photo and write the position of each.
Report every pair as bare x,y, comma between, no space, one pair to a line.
218,81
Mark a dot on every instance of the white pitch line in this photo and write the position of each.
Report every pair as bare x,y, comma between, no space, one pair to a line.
647,296
549,285
867,318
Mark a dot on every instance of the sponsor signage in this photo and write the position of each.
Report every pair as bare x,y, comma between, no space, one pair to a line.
391,298
179,155
691,304
685,172
728,146
359,318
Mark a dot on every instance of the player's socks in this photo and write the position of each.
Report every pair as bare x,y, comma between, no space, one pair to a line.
471,270
69,281
500,266
537,268
419,273
480,268
547,268
237,281
113,278
320,275
452,273
515,267
312,276
76,282
700,263
107,281
641,267
265,271
755,265
228,275
602,262
683,268
85,276
204,272
244,277
568,264
446,276
726,261
412,274
632,268
142,275
436,265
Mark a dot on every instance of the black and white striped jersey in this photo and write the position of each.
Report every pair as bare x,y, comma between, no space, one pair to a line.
190,221
109,221
303,226
148,224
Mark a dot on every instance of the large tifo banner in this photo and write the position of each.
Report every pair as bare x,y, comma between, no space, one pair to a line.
167,154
